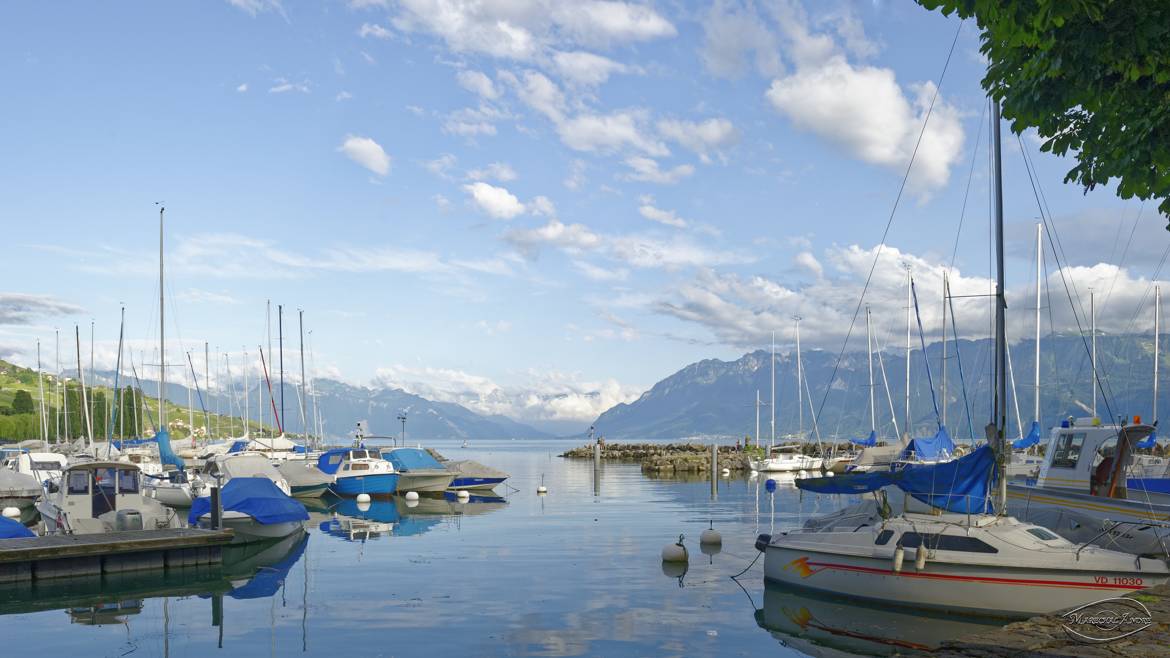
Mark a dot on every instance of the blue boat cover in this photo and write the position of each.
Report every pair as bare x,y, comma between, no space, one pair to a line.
867,442
930,449
124,443
238,446
1149,442
10,529
259,498
1028,441
407,459
960,485
165,453
330,460
268,579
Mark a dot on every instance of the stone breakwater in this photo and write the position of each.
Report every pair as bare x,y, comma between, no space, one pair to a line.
665,457
1045,637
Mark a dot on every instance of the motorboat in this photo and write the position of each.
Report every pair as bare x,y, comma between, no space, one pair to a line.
1084,491
254,508
787,458
304,479
13,529
418,470
473,476
224,468
46,467
948,549
21,491
357,471
103,496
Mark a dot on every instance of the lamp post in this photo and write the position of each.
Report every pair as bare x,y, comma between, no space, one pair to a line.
402,418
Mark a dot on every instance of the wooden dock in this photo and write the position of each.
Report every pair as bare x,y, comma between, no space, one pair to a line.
63,556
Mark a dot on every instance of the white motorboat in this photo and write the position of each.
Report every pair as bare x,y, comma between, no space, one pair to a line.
787,458
103,496
21,491
44,466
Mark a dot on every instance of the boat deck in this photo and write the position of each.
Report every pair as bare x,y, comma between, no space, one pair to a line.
56,556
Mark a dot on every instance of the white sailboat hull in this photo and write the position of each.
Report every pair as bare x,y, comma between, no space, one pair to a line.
247,529
788,464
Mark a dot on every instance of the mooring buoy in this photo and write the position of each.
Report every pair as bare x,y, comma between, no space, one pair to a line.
412,495
363,498
463,496
11,512
675,552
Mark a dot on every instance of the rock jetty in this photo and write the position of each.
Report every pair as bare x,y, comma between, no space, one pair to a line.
665,457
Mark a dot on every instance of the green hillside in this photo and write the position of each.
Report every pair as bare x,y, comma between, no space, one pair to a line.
20,411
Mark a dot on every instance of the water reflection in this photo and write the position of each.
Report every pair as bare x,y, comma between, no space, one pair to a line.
821,625
347,519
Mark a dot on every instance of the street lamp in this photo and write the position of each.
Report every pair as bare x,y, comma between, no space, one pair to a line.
402,417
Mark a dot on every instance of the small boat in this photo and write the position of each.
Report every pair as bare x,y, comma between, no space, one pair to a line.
358,471
787,458
44,466
473,476
254,508
418,471
305,480
103,496
224,468
13,529
20,491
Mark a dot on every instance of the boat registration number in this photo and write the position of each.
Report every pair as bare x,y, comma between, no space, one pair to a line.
1129,581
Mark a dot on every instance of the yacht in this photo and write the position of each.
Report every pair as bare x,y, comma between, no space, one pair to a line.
787,458
103,496
418,471
358,471
474,476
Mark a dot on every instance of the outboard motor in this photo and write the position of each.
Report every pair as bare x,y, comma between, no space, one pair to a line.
762,542
128,519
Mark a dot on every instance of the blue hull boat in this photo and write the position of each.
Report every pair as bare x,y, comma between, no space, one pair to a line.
382,484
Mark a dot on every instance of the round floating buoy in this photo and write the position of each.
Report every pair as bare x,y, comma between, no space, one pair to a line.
828,474
363,498
412,495
411,503
363,506
542,489
675,552
754,473
802,474
11,513
711,537
770,485
463,496
726,472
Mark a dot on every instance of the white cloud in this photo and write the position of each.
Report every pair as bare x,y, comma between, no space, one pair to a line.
574,237
367,153
283,85
343,96
242,87
498,171
374,30
730,34
633,250
646,169
703,137
808,261
542,206
538,92
576,178
471,122
254,7
494,328
587,69
443,203
497,202
441,166
478,83
667,217
598,273
197,296
22,308
609,133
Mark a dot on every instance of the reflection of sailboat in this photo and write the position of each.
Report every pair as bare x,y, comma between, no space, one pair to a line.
258,570
826,626
104,614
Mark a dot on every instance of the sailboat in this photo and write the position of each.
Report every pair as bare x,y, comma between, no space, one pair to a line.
967,554
789,457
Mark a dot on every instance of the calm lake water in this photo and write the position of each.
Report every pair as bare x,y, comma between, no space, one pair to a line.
574,572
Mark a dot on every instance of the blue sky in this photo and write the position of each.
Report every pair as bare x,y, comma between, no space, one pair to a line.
534,208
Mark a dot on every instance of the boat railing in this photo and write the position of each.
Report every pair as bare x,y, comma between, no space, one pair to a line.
1114,525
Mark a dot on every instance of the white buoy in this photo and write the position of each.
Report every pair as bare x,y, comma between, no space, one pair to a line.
11,513
411,503
363,507
675,552
363,498
726,472
412,495
711,537
542,489
463,496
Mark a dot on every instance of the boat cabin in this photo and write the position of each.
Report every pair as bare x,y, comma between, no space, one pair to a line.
44,466
91,489
343,462
1086,456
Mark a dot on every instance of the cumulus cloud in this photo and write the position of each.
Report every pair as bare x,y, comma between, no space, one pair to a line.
254,7
647,170
574,237
284,85
587,69
478,83
576,178
23,308
734,39
374,30
243,86
703,137
609,133
632,250
367,153
497,171
496,202
654,214
808,261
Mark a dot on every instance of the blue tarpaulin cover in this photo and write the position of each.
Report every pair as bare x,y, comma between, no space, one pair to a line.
407,459
960,485
10,529
1028,441
119,444
330,460
1149,442
268,580
867,442
259,498
238,446
930,449
165,453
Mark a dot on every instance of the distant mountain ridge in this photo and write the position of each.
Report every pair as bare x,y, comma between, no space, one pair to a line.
717,398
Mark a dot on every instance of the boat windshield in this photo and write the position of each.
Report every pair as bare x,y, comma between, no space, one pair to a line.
127,481
46,466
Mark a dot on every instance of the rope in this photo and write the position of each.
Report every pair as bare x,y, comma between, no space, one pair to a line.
922,340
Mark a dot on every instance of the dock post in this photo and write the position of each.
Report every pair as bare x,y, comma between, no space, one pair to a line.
216,510
714,470
596,468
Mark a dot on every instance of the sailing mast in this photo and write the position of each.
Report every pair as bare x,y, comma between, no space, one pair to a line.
799,382
757,434
41,388
162,342
1036,370
301,327
247,399
772,406
869,352
909,308
1157,329
207,385
57,386
81,379
280,340
1093,331
946,292
1000,426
